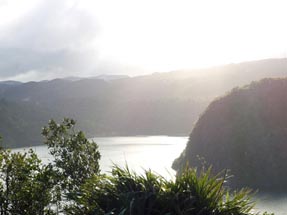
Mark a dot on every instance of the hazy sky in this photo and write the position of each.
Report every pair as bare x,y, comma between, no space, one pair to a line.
44,39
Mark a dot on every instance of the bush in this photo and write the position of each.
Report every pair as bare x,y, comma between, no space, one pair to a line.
192,193
25,184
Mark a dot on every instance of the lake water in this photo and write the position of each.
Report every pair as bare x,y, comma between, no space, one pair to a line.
156,153
139,152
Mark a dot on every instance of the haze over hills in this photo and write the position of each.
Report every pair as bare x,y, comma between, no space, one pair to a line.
157,104
244,131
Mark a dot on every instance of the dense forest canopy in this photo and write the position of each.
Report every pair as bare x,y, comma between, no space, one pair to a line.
244,131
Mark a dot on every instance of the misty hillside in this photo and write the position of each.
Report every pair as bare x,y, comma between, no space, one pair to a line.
21,123
244,131
157,104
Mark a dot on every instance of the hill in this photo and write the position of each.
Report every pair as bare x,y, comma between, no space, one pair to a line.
21,123
156,104
244,131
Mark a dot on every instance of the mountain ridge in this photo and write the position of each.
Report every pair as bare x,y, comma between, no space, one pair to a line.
156,104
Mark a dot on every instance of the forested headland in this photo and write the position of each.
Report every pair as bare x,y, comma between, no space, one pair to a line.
245,132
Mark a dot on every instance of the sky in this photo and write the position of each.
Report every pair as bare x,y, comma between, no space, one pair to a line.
46,39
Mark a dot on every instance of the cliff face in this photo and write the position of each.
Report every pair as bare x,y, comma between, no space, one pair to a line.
246,132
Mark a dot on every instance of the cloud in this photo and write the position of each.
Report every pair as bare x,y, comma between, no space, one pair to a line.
53,38
51,26
3,2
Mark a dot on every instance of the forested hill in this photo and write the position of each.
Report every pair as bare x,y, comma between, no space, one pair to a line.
157,104
244,131
21,123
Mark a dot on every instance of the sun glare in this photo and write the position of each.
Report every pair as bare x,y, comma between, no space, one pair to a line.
165,35
168,35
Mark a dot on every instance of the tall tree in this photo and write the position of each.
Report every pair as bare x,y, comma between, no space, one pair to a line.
76,158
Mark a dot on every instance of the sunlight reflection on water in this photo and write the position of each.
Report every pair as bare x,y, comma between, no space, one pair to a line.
139,152
271,203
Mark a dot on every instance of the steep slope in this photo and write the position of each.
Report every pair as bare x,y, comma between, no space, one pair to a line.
246,132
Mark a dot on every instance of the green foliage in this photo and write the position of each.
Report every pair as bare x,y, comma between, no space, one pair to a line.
25,184
76,158
191,193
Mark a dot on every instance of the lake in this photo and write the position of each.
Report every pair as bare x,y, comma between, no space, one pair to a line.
156,153
139,152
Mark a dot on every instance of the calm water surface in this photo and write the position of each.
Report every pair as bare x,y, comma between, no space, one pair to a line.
149,152
156,153
139,152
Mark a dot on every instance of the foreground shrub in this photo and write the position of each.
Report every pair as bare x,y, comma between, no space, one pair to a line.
25,184
191,193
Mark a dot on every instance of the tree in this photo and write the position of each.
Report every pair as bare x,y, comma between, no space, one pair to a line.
25,184
76,158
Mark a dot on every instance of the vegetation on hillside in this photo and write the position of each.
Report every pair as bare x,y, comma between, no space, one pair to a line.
21,123
244,131
157,104
73,184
